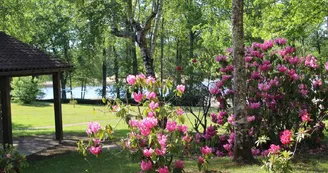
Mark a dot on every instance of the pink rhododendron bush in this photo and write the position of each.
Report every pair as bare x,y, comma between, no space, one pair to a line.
286,103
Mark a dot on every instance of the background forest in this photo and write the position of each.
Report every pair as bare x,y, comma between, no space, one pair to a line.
183,36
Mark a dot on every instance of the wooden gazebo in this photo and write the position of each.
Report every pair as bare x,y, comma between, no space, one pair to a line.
19,59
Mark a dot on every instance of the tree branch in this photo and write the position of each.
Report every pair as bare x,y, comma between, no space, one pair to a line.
123,34
148,22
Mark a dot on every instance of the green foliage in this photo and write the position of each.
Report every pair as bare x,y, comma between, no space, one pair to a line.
25,89
11,161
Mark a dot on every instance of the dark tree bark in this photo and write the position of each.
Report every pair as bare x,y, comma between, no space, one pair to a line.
116,70
242,145
134,58
104,74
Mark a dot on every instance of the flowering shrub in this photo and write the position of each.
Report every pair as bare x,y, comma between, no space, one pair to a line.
285,100
158,136
11,160
285,103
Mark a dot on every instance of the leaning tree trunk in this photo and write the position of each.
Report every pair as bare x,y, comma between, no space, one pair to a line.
242,145
139,36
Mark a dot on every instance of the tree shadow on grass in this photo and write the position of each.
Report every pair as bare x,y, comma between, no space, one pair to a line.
37,104
16,126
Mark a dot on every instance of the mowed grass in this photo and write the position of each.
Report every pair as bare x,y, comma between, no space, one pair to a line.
116,161
38,119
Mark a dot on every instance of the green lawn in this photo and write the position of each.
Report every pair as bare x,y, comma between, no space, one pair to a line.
115,161
38,119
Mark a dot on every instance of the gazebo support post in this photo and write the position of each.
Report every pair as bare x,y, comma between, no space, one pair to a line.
57,106
6,110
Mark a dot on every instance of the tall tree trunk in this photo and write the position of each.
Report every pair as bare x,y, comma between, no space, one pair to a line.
191,55
116,69
178,63
104,74
242,145
156,25
63,78
134,58
70,85
162,50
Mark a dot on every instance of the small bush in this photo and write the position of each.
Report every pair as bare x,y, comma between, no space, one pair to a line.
25,89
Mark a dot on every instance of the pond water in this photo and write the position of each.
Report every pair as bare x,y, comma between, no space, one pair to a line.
91,92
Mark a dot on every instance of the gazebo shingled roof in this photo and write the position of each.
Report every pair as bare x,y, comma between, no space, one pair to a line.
17,58
20,59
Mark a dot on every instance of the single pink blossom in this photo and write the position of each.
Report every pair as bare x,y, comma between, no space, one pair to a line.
280,41
221,58
285,137
134,123
179,164
206,150
201,160
148,152
181,88
141,76
255,152
255,105
250,118
171,126
231,119
151,114
182,128
306,117
311,61
131,79
95,150
146,165
160,152
274,149
153,105
137,97
281,68
317,83
227,147
179,111
150,80
256,75
187,138
150,95
163,170
248,59
93,127
215,90
149,122
326,66
162,139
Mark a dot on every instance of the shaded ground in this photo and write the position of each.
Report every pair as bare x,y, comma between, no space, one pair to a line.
44,146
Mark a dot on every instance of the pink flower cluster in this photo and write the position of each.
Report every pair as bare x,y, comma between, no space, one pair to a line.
132,79
93,127
274,149
206,150
181,88
285,137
